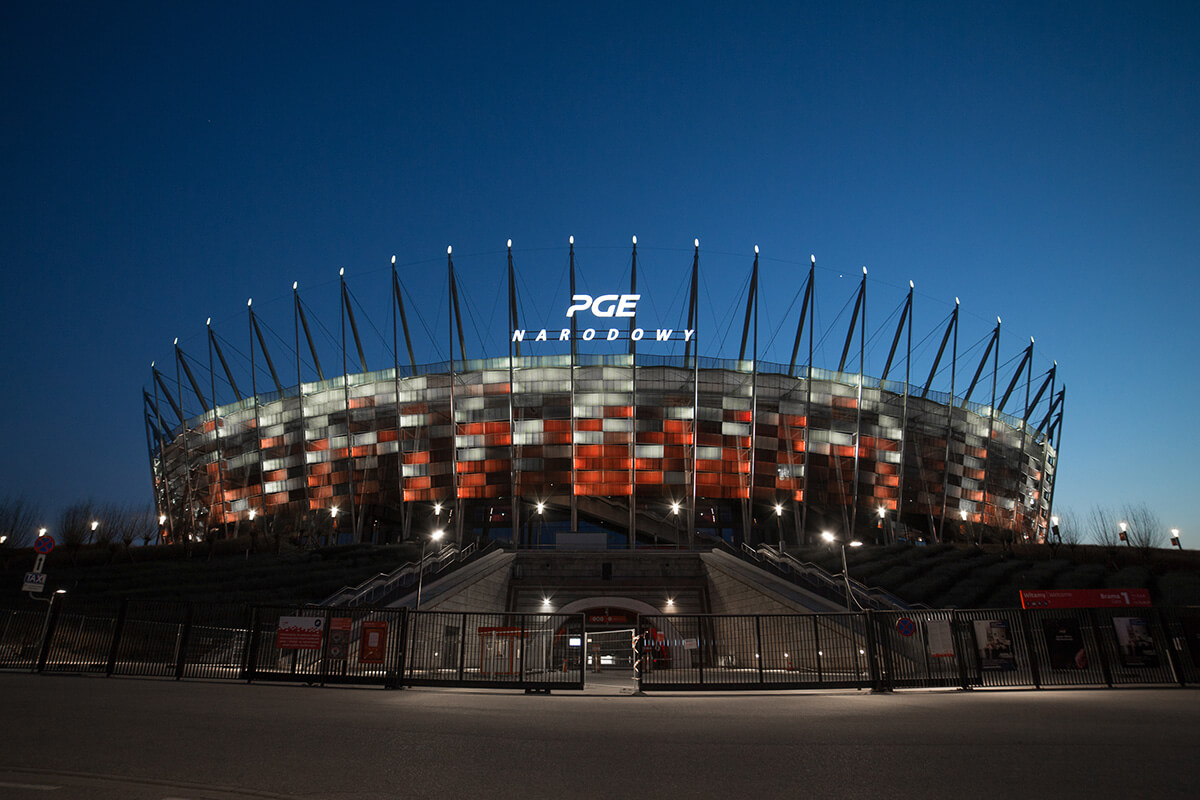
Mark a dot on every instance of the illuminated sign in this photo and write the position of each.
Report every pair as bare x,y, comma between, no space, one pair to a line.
605,306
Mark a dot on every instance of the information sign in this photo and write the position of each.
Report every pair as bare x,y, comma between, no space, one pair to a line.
372,643
339,638
34,582
299,633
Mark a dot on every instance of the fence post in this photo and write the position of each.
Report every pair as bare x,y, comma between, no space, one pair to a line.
324,672
184,635
118,629
960,657
395,680
758,653
462,648
249,653
48,628
1034,669
874,675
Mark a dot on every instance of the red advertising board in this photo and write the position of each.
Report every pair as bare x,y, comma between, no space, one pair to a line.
372,644
299,633
1086,598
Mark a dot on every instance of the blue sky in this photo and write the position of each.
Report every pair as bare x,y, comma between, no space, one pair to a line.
162,163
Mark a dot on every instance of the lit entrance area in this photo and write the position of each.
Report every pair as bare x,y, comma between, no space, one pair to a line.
609,657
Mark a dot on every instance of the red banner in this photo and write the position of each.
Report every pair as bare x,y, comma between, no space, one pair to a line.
373,643
1086,598
299,633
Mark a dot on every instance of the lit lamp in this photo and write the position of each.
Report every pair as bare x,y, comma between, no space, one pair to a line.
541,511
41,532
1174,538
95,524
433,537
333,512
829,537
1054,529
675,517
779,525
1124,534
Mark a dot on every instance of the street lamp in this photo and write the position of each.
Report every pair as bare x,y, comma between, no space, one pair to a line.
95,524
829,537
1124,534
541,511
41,532
1174,538
779,525
433,537
675,519
333,512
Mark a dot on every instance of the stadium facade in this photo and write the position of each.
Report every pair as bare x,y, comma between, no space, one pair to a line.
654,449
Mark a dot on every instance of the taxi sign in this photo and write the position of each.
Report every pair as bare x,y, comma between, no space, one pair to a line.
34,582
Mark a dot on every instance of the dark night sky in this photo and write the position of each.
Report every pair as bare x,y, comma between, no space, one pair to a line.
164,162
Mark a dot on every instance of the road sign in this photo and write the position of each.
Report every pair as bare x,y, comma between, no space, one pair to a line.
34,582
39,562
43,544
905,626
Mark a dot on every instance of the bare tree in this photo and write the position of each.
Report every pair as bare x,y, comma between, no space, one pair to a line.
18,521
1102,527
1070,528
1145,529
75,526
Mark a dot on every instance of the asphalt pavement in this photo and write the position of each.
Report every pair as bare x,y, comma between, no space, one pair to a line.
93,737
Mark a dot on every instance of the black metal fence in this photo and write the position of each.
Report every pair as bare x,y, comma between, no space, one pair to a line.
931,648
1017,648
318,645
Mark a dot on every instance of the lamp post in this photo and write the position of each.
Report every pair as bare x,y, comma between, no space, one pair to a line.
1124,534
333,512
829,537
779,525
541,512
675,517
1174,538
433,537
882,510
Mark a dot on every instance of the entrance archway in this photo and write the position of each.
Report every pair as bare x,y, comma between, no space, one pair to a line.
609,650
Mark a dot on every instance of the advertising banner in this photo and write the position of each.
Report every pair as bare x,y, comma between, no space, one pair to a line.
299,633
993,638
1064,643
372,644
938,638
339,638
1135,644
1086,598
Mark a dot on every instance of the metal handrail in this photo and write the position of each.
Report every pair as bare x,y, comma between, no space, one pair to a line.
380,584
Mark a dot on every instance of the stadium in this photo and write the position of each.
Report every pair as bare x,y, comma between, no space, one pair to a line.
603,424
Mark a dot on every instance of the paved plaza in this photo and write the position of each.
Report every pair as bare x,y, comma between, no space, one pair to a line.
92,737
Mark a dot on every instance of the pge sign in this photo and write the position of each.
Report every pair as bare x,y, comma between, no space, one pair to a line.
606,305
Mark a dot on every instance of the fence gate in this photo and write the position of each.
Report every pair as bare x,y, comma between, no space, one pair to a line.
537,652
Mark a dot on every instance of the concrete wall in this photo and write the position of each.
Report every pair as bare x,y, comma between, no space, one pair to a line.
735,587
